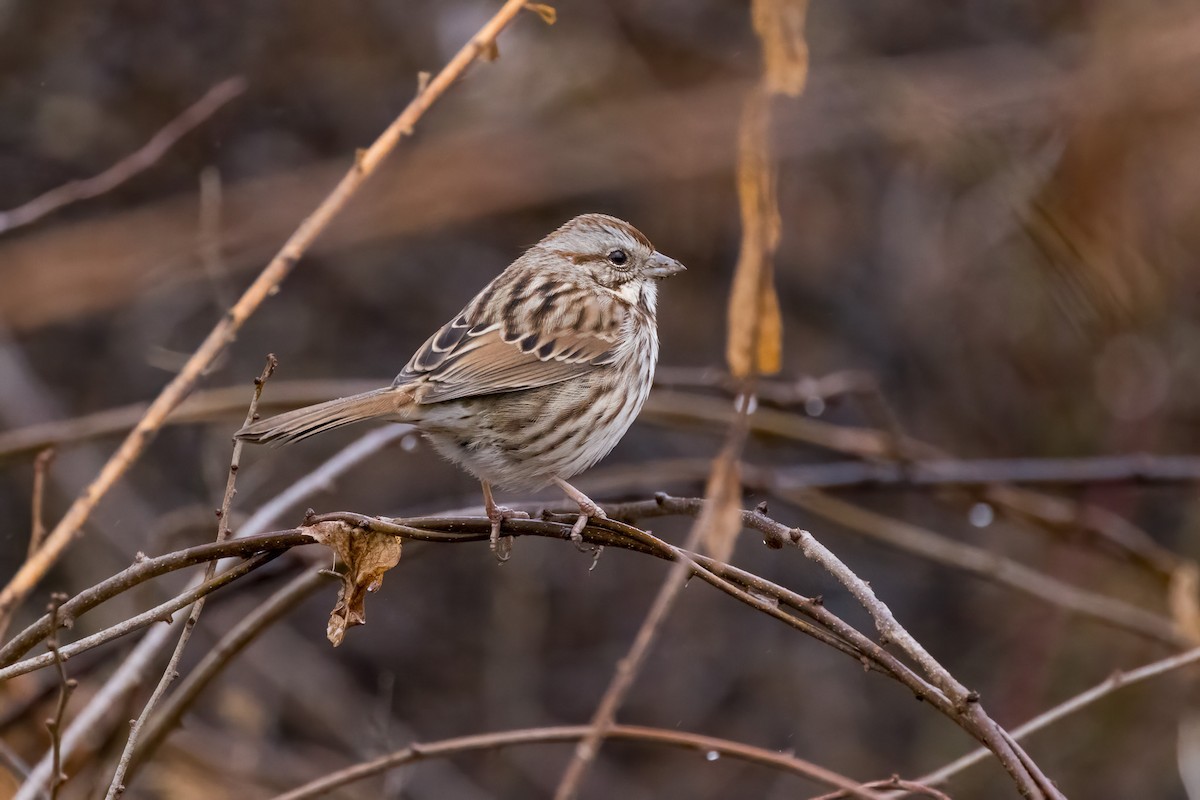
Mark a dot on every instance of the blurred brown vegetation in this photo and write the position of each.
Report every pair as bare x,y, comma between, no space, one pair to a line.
989,207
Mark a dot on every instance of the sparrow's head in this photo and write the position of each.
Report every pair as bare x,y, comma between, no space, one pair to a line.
613,253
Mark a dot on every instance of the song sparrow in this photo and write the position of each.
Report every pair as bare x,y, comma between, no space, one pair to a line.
540,375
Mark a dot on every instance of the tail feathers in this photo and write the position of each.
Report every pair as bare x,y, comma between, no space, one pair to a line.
295,425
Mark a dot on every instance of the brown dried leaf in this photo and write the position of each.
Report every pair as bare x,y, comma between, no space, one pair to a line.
547,12
780,26
1183,598
366,556
755,324
721,519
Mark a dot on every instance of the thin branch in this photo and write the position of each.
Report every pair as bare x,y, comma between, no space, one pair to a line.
95,721
932,469
755,591
143,570
629,733
218,657
117,787
906,789
163,612
41,465
804,391
1118,680
365,164
920,542
138,161
1029,779
703,530
968,714
66,686
990,566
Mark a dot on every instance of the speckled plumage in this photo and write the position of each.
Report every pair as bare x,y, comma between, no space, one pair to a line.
539,376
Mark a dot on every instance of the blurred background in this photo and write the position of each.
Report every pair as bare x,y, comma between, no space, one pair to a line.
989,210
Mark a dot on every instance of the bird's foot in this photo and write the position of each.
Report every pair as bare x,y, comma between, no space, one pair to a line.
587,512
501,546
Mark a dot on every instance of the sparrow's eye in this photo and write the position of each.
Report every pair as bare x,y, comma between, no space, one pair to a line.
618,258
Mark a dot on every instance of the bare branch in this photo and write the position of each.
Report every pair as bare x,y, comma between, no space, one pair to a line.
218,657
66,686
138,161
117,787
41,465
1118,680
722,499
143,570
906,788
990,566
365,164
161,613
629,733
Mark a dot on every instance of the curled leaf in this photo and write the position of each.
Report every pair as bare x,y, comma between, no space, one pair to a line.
367,556
755,324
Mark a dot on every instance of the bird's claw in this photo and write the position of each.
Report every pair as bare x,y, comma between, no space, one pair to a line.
501,546
587,513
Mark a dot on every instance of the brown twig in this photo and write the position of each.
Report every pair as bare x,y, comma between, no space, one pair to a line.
160,613
966,712
138,161
218,657
937,472
366,162
37,534
912,539
66,686
630,733
1118,680
989,566
97,719
906,788
117,787
143,570
704,529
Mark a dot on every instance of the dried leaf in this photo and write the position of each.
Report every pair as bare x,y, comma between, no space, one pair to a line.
1183,598
721,519
366,556
780,26
755,325
547,12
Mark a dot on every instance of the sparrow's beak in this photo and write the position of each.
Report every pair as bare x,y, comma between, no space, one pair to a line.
660,266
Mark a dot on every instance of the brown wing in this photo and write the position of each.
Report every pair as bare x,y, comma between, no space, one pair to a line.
474,355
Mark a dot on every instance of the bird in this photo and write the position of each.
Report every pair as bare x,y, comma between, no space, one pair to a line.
536,379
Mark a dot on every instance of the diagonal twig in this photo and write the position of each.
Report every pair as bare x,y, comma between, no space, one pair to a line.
41,465
366,162
138,161
218,657
628,667
117,786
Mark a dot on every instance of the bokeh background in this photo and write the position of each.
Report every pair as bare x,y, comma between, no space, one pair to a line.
989,207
